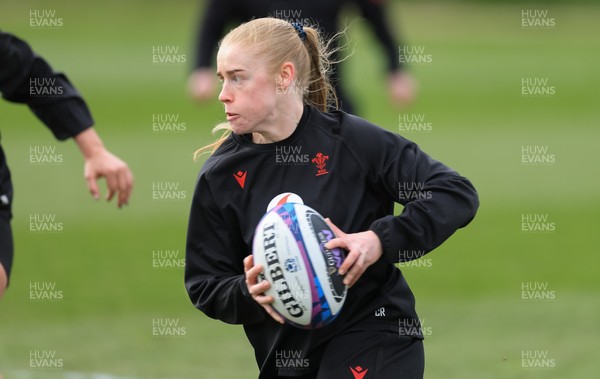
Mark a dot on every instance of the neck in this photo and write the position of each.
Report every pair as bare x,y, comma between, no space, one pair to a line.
283,125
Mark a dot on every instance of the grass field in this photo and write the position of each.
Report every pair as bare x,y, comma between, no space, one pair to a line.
469,295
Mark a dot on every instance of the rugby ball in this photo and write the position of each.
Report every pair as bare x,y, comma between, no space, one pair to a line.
286,197
305,285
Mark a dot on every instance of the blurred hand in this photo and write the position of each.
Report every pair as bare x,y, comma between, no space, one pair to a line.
363,248
202,84
119,178
257,289
99,163
402,87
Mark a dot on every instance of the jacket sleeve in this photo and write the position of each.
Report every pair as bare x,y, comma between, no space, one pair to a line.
27,78
214,273
210,30
374,13
437,200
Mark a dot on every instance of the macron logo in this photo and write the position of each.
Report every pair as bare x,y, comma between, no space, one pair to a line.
358,372
240,177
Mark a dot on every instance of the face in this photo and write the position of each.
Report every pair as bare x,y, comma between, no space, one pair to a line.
248,89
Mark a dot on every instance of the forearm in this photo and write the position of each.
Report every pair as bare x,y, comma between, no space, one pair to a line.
89,143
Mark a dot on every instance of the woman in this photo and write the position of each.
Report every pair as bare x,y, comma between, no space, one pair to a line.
275,91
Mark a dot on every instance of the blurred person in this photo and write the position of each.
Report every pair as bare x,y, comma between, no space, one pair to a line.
276,93
27,78
323,13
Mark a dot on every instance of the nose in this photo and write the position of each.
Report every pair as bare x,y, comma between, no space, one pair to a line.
225,94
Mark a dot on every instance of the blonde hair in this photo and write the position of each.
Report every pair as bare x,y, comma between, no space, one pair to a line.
278,41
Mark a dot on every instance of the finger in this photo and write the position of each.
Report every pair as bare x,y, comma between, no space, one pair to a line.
130,184
355,272
112,185
264,299
337,231
124,183
248,263
348,262
257,291
93,186
336,242
252,275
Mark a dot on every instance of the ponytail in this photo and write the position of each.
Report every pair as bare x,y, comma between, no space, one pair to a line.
320,91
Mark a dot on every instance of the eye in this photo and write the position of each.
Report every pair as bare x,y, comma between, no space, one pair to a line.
237,79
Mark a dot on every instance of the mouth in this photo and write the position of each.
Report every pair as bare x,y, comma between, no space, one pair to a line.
232,116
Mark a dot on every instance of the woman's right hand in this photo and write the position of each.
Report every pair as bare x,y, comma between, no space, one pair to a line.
257,290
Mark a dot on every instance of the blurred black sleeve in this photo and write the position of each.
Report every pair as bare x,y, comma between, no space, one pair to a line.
27,78
374,12
210,30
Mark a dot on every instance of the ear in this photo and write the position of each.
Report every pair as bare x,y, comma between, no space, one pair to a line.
287,74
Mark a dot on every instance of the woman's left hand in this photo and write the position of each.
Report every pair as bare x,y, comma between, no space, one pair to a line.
363,248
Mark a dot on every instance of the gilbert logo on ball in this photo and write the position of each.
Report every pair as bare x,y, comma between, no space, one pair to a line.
289,243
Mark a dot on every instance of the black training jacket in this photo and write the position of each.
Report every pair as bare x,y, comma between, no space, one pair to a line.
27,78
347,169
